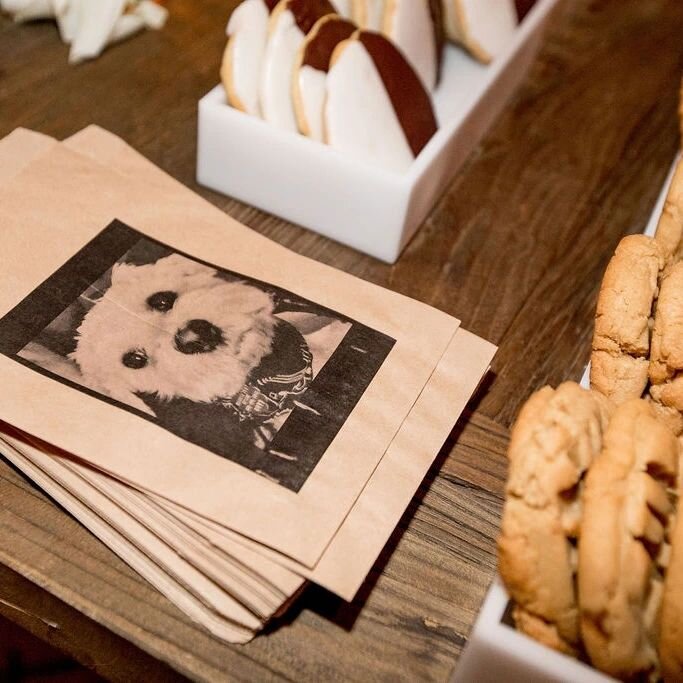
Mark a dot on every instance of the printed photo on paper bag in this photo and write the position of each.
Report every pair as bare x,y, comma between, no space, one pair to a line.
247,370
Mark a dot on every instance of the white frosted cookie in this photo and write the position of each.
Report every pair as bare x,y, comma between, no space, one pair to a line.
289,23
415,26
483,27
343,7
241,68
310,72
368,13
377,109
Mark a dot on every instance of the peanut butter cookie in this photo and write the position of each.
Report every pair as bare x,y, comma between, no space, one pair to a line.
671,632
666,356
626,511
621,341
669,233
556,436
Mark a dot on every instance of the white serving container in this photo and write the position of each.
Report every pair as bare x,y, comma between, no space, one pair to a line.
495,650
368,208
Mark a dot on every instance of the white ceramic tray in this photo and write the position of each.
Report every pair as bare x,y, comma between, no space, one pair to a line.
368,208
495,650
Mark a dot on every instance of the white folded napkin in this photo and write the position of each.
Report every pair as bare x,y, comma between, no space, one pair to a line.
89,25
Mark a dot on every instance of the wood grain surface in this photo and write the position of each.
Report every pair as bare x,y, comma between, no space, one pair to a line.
515,248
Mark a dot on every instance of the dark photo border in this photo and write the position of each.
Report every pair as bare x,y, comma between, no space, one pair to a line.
334,392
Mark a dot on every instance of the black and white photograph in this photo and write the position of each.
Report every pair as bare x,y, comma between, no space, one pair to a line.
245,369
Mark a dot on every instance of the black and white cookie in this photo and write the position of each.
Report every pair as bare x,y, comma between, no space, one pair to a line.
416,27
368,14
310,72
343,7
242,60
289,23
377,109
483,27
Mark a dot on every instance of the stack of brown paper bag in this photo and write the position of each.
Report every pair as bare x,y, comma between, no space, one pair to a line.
232,419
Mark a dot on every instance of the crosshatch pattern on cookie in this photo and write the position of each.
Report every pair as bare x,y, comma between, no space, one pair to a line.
557,435
245,369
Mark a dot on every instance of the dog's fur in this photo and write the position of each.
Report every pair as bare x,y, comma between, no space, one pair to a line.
122,321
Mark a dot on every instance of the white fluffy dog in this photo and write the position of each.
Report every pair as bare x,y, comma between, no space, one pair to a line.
173,329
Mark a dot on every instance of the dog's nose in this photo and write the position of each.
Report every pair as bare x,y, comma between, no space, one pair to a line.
198,336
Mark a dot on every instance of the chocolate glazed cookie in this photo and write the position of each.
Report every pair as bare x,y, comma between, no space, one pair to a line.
377,109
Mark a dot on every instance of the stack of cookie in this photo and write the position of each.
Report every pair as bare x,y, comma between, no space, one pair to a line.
638,339
355,75
591,550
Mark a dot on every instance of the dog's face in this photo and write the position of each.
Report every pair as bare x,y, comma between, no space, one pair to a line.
175,329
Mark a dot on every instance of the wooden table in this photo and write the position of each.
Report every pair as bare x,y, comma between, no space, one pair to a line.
516,249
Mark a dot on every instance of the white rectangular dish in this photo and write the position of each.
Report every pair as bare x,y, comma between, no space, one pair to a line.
495,650
371,209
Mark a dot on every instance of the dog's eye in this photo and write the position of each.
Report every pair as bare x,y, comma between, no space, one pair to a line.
162,301
135,359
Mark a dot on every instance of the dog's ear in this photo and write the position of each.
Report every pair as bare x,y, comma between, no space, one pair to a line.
53,362
122,272
181,265
262,301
